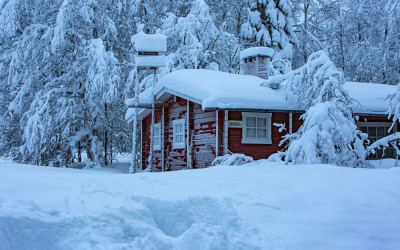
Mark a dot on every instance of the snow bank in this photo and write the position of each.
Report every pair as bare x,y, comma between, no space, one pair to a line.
150,42
260,206
256,51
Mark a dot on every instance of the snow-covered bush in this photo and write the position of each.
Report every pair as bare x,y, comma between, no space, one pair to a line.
232,160
329,134
277,157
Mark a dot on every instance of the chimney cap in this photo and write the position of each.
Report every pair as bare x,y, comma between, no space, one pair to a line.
256,51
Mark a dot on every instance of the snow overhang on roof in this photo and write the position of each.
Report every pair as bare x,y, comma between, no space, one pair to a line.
256,51
225,91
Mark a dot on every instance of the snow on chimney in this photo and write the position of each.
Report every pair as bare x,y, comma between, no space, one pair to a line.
256,61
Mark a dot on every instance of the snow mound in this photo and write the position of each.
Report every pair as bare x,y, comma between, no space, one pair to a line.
261,206
144,223
83,213
232,160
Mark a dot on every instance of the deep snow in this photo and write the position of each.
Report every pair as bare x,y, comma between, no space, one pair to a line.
259,205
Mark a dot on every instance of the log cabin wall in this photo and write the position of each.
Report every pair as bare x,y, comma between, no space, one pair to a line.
203,129
202,136
260,151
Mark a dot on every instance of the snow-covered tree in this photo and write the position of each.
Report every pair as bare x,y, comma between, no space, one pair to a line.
65,81
270,25
196,42
392,43
328,134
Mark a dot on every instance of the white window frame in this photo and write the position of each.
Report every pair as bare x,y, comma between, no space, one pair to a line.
178,145
157,126
245,139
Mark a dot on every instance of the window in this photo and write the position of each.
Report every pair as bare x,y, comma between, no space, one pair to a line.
179,134
376,131
157,137
256,128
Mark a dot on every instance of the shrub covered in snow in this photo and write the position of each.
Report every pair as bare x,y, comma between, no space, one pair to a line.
232,160
329,136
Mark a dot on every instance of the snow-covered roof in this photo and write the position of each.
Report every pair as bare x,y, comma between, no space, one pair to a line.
371,98
256,51
220,90
150,42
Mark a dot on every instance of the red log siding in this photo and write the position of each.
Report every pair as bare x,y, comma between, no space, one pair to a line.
221,117
146,123
296,122
204,136
258,151
202,129
202,125
175,159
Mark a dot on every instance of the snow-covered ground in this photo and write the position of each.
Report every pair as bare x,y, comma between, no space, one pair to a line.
259,205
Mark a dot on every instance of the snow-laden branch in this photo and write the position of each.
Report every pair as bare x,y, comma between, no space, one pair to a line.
385,142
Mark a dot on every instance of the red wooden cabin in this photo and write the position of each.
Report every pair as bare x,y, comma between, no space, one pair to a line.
202,114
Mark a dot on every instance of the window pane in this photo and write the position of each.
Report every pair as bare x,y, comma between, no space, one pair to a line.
251,132
364,129
381,132
379,153
390,152
251,121
372,131
261,133
261,122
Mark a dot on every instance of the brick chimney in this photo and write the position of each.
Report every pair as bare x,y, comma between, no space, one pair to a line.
256,61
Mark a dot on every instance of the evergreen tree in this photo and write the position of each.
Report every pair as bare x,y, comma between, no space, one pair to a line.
195,42
270,25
